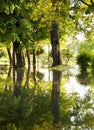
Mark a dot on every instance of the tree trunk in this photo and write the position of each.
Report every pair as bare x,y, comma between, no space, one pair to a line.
20,60
55,37
34,66
28,57
10,56
14,51
55,44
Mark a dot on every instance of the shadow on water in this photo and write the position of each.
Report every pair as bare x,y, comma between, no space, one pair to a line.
48,105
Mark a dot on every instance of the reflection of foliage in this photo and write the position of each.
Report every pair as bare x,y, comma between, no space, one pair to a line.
67,54
13,108
67,102
32,109
40,75
83,111
85,61
86,77
4,82
83,77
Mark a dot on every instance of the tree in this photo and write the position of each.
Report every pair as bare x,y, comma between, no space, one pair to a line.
15,27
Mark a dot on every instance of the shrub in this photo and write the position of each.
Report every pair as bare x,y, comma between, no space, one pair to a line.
83,60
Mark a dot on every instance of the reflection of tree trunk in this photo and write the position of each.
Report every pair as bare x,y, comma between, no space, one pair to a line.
14,51
9,72
55,44
9,76
27,78
28,57
55,95
20,60
18,75
10,56
34,66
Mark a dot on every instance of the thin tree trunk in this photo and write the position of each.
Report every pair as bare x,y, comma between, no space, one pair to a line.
10,56
28,57
8,76
27,78
34,66
14,51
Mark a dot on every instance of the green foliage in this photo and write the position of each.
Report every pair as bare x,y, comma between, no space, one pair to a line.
66,54
92,59
83,60
32,106
32,109
13,108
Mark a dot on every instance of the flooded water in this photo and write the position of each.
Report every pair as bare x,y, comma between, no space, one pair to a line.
52,100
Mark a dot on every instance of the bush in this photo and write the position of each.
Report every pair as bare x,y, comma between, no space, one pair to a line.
83,60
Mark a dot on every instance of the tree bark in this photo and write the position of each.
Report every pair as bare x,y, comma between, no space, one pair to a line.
55,44
28,57
10,56
34,66
14,54
20,60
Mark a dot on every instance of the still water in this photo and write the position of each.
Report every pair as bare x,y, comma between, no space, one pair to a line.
52,100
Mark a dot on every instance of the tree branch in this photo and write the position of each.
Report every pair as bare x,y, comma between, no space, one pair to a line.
92,2
85,2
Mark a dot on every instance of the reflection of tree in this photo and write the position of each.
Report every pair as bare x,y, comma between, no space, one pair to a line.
28,77
55,95
31,110
86,77
7,80
15,110
83,112
83,77
18,75
31,107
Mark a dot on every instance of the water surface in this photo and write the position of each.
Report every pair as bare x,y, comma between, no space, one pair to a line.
52,100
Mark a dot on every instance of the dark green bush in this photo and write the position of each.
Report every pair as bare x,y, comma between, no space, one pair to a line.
92,59
83,60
